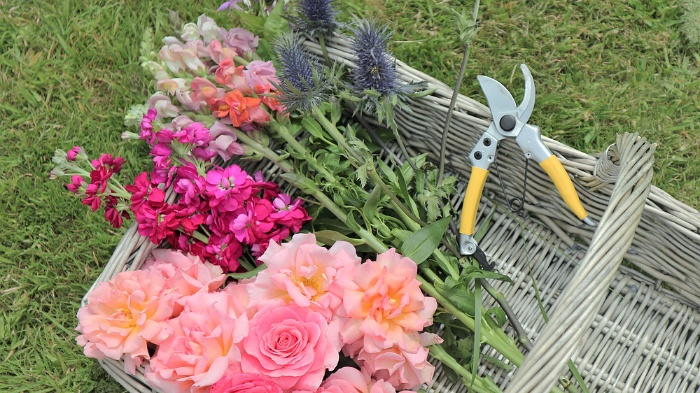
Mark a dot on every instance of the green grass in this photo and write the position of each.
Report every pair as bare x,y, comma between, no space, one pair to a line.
69,71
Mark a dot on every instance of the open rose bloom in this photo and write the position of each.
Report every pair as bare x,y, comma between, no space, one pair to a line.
281,331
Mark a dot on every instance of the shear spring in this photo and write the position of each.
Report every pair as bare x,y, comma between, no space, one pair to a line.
515,204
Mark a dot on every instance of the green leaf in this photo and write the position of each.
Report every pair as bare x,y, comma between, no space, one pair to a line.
390,175
312,126
252,23
249,274
275,23
328,238
472,273
421,244
458,294
371,207
336,111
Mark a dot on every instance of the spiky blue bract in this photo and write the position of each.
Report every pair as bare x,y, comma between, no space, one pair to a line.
376,68
301,84
315,17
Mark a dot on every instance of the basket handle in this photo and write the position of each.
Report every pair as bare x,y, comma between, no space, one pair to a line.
567,328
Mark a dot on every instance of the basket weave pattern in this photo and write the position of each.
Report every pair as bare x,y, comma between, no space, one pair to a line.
623,329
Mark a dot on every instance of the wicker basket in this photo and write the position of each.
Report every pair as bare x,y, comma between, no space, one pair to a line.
628,327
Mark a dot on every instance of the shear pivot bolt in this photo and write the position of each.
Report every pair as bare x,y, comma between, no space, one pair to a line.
477,155
507,122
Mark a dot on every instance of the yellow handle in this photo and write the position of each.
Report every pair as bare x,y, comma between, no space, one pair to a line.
471,200
561,180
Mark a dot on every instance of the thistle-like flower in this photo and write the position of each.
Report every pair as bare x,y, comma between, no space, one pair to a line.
302,87
376,70
315,17
376,87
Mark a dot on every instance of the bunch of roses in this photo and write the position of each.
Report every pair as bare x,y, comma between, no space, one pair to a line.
280,331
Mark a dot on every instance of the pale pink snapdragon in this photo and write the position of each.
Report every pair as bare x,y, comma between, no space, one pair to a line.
232,76
208,28
162,104
190,32
219,53
224,141
259,74
171,85
242,40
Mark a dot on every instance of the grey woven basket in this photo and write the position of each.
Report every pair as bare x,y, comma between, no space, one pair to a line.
629,327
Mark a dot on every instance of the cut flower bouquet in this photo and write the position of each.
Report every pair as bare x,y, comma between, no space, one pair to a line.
259,289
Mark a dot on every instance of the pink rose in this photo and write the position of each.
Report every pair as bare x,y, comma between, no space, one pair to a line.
352,380
383,302
123,315
185,274
303,273
402,367
202,347
245,383
292,345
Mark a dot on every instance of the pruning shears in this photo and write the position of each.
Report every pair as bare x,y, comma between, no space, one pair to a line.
510,121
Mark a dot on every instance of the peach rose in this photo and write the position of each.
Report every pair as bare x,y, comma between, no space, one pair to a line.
185,275
123,315
403,367
292,345
352,380
303,273
383,303
202,346
235,382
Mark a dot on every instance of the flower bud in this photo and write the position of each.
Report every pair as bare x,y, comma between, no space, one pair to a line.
190,32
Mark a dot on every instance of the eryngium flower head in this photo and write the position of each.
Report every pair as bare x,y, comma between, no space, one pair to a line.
302,87
376,69
315,17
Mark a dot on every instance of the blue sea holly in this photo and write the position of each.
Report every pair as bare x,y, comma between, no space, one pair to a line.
315,17
304,83
376,87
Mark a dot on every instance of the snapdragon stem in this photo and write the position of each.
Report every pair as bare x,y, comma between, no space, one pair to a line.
478,384
283,131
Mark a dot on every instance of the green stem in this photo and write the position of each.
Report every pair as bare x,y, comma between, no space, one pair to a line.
476,383
495,338
453,100
264,150
333,131
301,149
324,50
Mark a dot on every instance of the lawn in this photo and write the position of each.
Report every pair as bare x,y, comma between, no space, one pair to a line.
69,71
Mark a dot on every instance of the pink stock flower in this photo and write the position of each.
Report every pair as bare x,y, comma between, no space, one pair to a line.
352,380
73,153
293,345
259,74
289,214
383,302
224,251
235,382
123,315
242,40
76,181
303,273
114,215
185,275
202,346
147,126
252,225
228,188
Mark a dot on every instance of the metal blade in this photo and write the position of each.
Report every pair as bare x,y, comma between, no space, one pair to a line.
528,104
498,97
483,261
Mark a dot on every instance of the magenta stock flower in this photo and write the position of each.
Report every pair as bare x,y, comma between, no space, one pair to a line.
73,153
228,187
77,181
